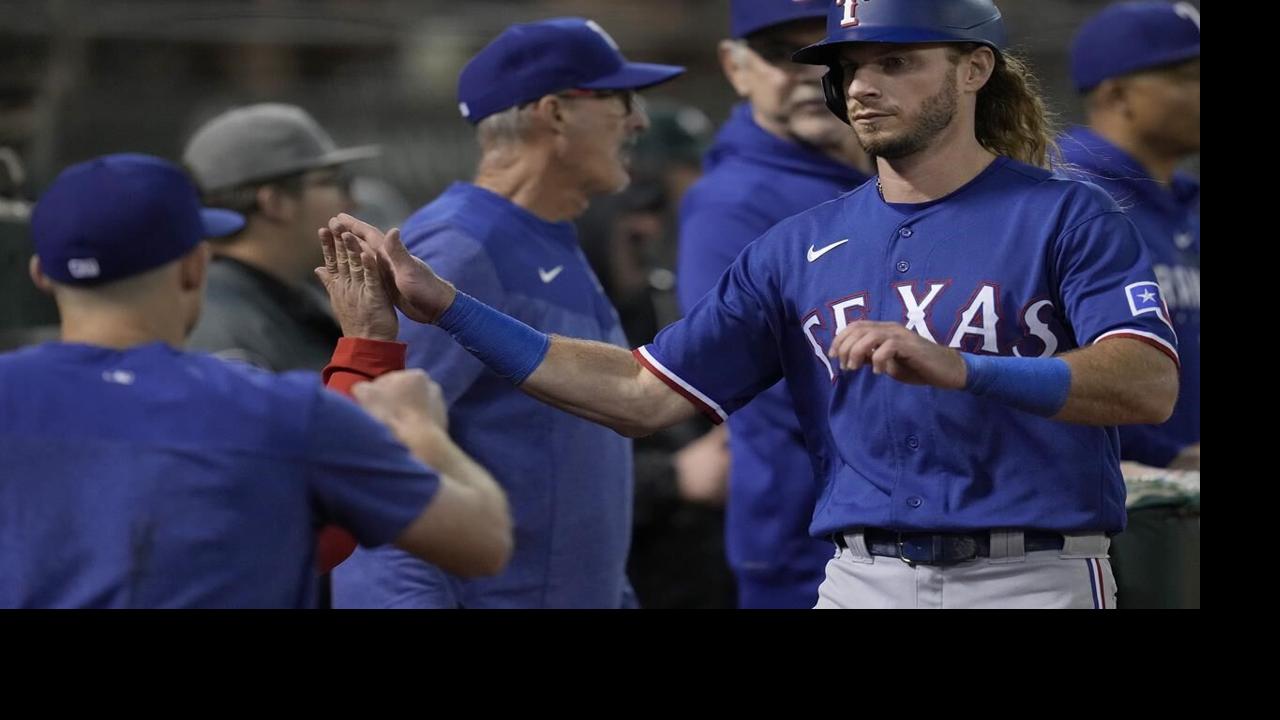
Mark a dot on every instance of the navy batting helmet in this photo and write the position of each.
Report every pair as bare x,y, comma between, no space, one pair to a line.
898,21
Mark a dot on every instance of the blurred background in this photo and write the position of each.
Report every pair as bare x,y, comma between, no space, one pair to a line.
83,77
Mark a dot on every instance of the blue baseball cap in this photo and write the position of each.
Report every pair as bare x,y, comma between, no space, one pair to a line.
1132,36
749,16
120,215
907,22
527,61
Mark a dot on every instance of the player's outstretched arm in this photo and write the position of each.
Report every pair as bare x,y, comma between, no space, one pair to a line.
596,381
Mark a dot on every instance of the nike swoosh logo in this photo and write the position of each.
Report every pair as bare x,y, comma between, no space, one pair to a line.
549,275
815,254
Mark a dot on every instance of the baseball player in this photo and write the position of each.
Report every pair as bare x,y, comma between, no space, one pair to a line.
139,475
1137,64
555,110
960,337
780,152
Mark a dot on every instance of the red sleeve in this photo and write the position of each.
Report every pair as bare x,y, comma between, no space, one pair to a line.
355,360
358,359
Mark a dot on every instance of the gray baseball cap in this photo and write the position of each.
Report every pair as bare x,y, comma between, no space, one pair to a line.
258,142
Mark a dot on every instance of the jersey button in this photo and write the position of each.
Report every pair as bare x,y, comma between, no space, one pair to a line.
903,266
913,442
915,501
905,232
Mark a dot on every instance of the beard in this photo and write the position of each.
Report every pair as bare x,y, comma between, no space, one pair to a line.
936,113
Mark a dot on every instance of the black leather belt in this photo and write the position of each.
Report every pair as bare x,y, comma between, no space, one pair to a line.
944,548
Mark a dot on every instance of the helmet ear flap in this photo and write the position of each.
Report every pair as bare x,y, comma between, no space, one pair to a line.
833,91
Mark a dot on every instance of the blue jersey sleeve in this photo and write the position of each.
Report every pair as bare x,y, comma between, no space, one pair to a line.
460,259
726,350
1107,284
361,477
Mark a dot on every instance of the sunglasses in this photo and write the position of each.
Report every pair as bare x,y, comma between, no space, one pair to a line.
630,99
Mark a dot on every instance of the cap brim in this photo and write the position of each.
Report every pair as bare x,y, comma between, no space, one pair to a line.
337,157
220,223
634,76
815,54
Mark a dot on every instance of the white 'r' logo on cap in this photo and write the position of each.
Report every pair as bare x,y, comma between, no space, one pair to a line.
850,18
599,30
466,111
81,268
1188,11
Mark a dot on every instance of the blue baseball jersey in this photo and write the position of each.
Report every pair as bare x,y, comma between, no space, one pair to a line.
568,481
1018,261
1168,219
154,478
753,180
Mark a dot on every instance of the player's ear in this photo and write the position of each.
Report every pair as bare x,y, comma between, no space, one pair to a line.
976,67
193,267
733,61
550,112
38,278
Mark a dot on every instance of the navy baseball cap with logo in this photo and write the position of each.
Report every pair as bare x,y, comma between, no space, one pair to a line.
1132,36
750,16
527,61
120,215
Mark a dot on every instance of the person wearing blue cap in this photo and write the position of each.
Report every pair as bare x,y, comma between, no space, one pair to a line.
555,109
960,338
1137,65
781,152
139,475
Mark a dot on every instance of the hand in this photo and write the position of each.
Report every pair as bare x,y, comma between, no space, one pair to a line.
406,400
354,283
702,468
903,355
419,293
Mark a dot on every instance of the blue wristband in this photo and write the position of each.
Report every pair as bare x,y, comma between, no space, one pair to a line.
1036,385
510,348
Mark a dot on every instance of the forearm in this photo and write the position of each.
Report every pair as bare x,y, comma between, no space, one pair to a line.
467,528
607,385
437,450
597,381
1119,382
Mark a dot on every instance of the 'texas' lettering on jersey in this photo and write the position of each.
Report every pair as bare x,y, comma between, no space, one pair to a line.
975,327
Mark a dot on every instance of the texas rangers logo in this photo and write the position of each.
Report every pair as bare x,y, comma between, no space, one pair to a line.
1144,297
850,18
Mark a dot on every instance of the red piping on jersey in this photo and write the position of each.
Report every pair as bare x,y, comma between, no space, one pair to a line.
1122,334
704,408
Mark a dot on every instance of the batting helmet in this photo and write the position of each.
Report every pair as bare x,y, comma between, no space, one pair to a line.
898,21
